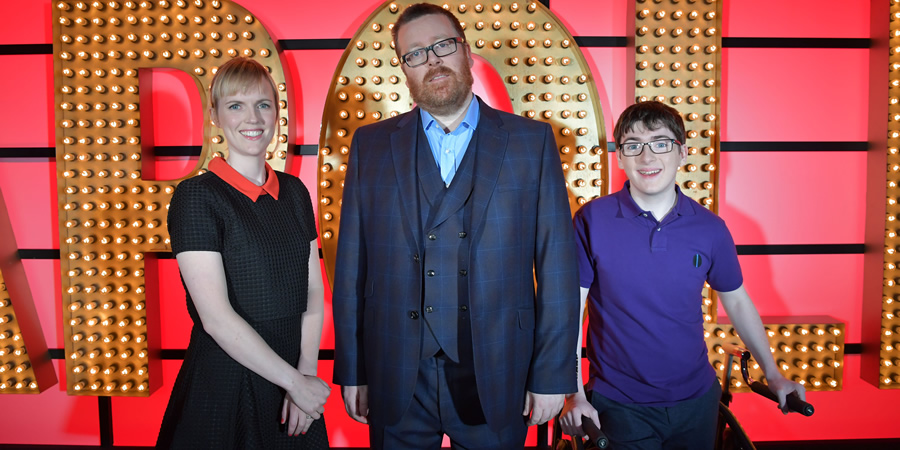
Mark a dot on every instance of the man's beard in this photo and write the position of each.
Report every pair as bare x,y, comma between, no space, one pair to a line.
448,98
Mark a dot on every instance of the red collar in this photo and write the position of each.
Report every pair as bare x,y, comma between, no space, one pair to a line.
227,173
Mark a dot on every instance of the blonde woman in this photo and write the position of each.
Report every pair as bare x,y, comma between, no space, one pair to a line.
244,237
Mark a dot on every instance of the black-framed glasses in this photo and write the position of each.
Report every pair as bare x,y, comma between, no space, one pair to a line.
658,146
444,47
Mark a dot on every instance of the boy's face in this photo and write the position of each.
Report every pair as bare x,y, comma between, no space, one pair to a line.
651,174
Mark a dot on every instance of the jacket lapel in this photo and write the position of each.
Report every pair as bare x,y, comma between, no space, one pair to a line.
491,146
403,151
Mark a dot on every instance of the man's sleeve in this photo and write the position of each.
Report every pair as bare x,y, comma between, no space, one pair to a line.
556,271
349,275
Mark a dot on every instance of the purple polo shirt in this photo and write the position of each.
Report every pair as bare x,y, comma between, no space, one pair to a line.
645,334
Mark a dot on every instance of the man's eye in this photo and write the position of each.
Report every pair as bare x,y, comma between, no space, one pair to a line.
414,54
442,45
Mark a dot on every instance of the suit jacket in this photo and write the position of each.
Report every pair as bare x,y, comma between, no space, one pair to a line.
522,276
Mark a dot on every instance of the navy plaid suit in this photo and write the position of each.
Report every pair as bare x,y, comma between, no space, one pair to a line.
523,334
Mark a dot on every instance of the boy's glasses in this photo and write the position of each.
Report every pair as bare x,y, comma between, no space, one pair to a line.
659,147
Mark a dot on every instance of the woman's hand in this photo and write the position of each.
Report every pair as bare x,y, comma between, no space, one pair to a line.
304,403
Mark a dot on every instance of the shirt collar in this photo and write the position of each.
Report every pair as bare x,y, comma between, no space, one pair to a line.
629,208
234,179
469,121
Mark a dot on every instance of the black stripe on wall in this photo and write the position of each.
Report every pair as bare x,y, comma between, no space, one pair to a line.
26,49
582,41
601,41
313,149
802,249
774,42
313,44
766,146
27,152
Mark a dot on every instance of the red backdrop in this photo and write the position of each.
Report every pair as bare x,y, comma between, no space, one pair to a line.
766,197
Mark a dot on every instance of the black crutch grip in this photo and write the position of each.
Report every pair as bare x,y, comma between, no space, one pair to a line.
596,436
793,401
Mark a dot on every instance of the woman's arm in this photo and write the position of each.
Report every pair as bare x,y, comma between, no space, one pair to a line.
311,322
204,276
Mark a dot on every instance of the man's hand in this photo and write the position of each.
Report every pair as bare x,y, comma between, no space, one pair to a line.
782,387
356,402
542,407
577,406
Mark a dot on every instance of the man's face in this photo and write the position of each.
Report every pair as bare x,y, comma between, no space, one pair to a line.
651,174
444,83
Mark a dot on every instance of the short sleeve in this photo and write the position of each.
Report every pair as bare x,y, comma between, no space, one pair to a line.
725,271
583,249
192,220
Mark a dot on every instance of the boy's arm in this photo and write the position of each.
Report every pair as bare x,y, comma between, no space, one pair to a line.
747,323
577,404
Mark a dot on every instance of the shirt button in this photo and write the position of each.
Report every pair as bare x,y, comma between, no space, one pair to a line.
447,151
463,308
432,237
414,315
429,309
644,214
430,273
416,257
659,229
463,272
462,234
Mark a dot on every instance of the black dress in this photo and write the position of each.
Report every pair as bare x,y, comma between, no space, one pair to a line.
216,402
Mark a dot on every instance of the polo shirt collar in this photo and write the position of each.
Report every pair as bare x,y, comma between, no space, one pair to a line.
629,208
234,179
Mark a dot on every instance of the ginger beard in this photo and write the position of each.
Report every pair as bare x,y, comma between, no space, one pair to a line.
446,96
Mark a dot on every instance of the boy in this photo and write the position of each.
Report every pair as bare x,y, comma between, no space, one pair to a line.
644,254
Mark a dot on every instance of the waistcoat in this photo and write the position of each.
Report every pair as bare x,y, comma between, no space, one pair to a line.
445,216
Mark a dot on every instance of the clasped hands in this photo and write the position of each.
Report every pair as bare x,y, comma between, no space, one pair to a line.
304,403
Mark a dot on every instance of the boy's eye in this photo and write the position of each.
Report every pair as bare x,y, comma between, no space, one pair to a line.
234,106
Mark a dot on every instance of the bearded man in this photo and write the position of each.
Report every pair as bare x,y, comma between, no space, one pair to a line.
455,299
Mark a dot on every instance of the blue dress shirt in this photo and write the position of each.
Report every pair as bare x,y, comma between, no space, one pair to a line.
449,148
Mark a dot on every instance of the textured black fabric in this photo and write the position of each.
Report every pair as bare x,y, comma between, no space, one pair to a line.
216,402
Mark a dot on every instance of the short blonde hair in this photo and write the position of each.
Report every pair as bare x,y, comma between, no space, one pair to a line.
237,75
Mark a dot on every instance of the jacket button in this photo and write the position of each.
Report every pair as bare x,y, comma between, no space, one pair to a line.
413,315
432,237
430,273
462,234
416,257
429,309
463,272
463,308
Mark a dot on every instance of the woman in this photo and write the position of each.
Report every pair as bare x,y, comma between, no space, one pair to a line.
245,240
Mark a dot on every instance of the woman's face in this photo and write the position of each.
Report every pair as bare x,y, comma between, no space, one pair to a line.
248,118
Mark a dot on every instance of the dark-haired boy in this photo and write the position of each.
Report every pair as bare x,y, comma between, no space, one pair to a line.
644,255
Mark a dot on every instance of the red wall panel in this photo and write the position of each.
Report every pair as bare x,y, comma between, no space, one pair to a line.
798,18
793,197
794,94
765,197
